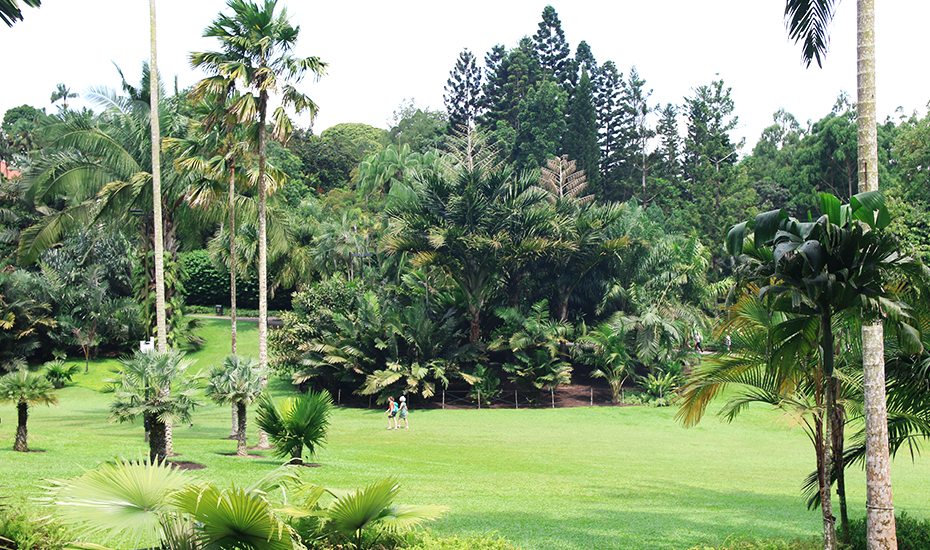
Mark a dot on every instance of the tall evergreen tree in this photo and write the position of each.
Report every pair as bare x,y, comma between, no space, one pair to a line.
541,125
666,177
581,135
492,91
552,50
633,160
607,89
717,195
463,91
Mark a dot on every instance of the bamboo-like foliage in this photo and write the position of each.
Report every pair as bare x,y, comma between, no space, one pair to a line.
564,181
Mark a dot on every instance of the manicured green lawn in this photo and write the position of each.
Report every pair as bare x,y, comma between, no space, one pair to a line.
567,478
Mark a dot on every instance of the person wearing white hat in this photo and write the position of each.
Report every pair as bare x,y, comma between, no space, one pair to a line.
403,412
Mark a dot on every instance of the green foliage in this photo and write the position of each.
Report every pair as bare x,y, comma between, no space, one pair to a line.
535,346
297,423
912,533
476,542
26,387
605,348
540,125
580,141
25,529
659,388
463,92
60,374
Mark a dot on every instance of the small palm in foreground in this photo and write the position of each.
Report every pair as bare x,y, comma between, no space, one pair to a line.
609,356
299,422
238,381
25,388
372,509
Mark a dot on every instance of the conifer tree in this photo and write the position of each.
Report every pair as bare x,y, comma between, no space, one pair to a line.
541,125
607,89
551,48
581,135
492,92
668,151
463,92
633,160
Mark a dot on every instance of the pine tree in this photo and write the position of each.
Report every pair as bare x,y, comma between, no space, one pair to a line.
581,136
668,151
633,155
463,92
551,48
607,90
541,125
492,92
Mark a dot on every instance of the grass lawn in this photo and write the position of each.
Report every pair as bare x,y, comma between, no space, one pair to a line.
568,478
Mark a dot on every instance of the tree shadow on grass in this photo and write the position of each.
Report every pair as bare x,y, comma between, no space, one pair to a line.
617,521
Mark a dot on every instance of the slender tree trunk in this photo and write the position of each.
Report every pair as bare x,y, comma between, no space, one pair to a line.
880,523
474,333
839,464
563,306
297,456
240,435
234,431
262,253
160,317
826,504
232,260
21,444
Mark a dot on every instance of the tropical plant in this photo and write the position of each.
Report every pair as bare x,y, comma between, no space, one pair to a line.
808,21
372,510
59,373
26,315
659,388
238,381
298,423
10,12
606,349
157,388
25,388
256,58
62,93
535,346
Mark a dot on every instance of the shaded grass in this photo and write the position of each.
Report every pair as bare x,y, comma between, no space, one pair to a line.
604,477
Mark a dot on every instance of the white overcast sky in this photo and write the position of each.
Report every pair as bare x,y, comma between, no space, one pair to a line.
383,52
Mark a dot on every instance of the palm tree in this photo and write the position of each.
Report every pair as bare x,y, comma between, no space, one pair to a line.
239,382
606,348
25,388
10,12
160,319
156,387
299,422
256,57
62,93
841,262
808,21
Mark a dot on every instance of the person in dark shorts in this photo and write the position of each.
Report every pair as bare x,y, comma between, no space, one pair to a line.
392,414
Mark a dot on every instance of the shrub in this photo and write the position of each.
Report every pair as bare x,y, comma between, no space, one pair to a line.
764,544
913,533
22,529
206,283
59,373
429,541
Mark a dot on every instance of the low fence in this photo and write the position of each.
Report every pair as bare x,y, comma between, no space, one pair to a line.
561,397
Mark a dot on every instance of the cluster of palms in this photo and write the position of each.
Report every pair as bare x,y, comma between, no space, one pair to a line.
808,288
154,504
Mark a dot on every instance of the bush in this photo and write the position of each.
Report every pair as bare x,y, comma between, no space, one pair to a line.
913,533
207,284
767,544
21,529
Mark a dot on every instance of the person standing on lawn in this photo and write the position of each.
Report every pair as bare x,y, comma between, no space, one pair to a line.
392,413
403,412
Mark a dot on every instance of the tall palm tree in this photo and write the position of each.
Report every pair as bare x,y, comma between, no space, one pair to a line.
25,388
160,318
62,93
255,57
808,22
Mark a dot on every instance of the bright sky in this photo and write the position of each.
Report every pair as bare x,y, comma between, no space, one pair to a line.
383,52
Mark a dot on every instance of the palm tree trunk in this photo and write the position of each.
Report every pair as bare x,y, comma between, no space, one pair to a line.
157,451
234,431
232,259
262,253
240,435
839,466
161,324
474,333
826,504
880,523
21,443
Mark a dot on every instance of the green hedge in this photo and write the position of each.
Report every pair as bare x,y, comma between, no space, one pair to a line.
208,285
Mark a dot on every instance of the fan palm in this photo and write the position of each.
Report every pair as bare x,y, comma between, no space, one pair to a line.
297,423
60,373
10,12
156,387
256,57
25,388
237,381
372,508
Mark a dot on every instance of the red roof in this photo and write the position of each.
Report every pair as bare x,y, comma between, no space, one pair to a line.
8,172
